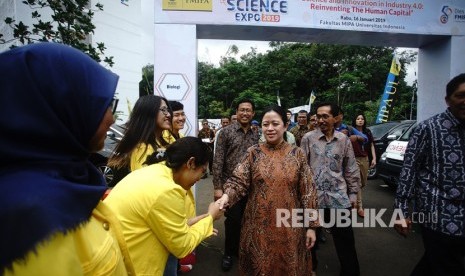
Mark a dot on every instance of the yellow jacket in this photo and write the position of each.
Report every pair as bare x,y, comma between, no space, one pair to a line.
152,211
139,155
95,248
190,204
169,138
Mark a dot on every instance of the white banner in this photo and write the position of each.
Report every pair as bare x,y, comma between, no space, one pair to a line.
175,75
392,16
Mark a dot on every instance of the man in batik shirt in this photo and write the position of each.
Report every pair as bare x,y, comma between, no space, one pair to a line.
337,178
207,135
434,173
232,144
301,128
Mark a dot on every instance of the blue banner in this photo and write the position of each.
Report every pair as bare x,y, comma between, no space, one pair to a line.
390,90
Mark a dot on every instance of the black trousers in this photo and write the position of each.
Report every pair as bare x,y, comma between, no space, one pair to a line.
210,158
344,242
444,255
232,227
315,247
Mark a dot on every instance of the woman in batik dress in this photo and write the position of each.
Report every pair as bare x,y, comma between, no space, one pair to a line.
277,180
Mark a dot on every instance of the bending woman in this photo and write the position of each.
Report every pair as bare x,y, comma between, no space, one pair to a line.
151,204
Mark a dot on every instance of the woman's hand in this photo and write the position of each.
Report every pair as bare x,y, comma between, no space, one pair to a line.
310,238
217,194
223,201
373,163
214,210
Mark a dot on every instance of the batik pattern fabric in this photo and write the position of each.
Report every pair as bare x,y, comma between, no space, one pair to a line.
273,178
434,175
206,134
231,147
336,174
299,132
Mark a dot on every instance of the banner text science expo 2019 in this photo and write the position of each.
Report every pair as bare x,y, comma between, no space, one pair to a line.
258,10
438,17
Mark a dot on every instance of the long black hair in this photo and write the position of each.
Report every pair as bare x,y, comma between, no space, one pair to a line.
354,122
141,128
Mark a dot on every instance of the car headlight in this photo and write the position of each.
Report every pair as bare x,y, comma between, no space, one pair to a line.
383,156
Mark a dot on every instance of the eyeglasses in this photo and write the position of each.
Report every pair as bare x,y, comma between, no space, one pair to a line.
165,110
113,105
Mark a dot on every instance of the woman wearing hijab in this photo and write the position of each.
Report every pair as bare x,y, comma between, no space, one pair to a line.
56,110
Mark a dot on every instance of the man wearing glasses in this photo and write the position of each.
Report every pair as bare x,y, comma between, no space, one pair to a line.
232,144
301,128
337,178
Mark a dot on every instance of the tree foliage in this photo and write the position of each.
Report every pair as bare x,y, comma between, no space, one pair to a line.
71,24
146,84
351,76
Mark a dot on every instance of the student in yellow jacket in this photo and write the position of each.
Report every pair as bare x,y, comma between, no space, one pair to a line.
177,123
151,205
58,107
143,136
170,136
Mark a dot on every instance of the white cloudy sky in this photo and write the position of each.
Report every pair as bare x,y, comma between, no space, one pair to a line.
212,50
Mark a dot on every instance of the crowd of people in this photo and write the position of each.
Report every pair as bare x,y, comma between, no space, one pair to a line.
62,221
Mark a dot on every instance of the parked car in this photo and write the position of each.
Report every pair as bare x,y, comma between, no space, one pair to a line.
383,134
392,160
99,159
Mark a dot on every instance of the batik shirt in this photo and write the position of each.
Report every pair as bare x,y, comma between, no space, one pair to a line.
206,134
434,174
232,144
335,170
299,131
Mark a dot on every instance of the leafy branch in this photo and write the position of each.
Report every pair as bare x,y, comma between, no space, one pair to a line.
71,24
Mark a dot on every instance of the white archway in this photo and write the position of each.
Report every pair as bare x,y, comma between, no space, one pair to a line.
438,30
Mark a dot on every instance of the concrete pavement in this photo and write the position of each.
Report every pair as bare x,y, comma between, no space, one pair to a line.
381,251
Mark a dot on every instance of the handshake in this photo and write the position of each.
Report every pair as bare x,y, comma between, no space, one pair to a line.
217,208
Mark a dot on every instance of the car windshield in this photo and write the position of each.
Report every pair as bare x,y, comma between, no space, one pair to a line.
408,133
380,129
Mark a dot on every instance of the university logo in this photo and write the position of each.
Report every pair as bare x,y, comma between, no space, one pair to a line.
446,11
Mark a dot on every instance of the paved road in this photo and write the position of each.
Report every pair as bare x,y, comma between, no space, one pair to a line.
381,251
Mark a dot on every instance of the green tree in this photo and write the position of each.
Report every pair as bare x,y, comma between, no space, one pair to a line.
71,24
146,84
353,76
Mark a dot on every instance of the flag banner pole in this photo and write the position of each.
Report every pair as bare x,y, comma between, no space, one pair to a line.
310,102
390,89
